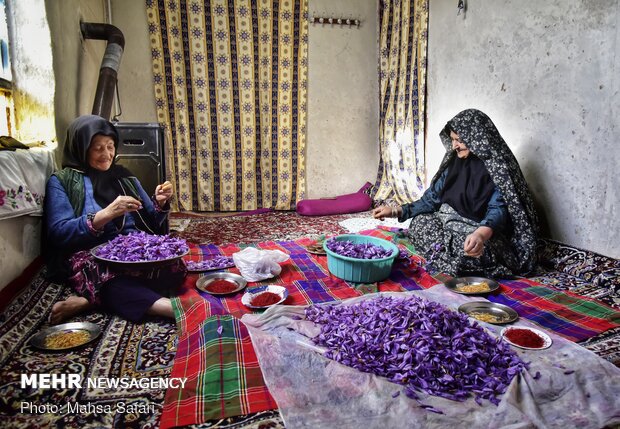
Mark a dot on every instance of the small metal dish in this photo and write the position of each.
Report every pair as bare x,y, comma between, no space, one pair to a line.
316,249
456,285
497,314
203,282
247,297
39,340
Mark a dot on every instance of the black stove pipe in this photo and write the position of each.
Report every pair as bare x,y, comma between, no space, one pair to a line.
104,96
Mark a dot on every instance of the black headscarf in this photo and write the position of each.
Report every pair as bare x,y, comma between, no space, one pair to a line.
479,134
468,187
106,185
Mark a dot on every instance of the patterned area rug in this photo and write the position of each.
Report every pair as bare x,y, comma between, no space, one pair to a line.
270,226
124,350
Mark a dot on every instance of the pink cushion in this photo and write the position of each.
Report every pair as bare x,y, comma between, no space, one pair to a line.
350,203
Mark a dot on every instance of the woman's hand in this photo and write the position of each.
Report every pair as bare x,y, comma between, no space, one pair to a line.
119,207
123,204
382,212
474,243
163,193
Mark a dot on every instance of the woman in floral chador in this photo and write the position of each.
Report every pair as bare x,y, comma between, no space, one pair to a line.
477,216
87,203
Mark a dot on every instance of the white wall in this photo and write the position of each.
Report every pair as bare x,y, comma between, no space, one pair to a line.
76,61
20,244
547,73
135,76
343,99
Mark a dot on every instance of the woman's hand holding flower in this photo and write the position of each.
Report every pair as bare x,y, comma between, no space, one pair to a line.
163,193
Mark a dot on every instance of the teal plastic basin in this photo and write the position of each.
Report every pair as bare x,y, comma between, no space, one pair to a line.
361,270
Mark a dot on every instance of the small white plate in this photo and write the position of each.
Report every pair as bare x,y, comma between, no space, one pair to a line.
247,297
546,339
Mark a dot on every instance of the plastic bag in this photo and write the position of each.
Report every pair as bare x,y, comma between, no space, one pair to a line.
256,265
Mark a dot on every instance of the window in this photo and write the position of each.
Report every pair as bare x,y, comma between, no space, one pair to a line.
6,78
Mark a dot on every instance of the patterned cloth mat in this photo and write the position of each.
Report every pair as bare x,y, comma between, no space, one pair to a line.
123,350
581,271
221,366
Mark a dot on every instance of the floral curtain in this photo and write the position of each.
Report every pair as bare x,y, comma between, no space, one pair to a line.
403,39
230,88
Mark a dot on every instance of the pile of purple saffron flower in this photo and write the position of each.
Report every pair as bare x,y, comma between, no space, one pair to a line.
358,251
142,247
420,344
215,263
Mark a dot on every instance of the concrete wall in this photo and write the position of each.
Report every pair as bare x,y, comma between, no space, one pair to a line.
547,73
135,80
343,99
76,61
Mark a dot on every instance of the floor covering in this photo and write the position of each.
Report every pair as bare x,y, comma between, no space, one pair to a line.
148,349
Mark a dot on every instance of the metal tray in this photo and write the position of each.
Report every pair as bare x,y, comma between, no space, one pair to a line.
38,340
454,284
135,264
203,282
502,313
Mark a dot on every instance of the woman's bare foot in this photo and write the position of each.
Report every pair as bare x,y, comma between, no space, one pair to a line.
162,307
68,308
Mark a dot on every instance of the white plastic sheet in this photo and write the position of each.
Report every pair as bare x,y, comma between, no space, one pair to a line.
256,265
315,392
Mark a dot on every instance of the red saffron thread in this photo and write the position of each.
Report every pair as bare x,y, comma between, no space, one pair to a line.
265,299
525,338
221,286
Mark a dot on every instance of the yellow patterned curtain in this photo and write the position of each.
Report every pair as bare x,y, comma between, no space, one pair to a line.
230,80
403,40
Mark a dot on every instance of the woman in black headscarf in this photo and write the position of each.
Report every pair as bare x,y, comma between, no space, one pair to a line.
477,216
87,203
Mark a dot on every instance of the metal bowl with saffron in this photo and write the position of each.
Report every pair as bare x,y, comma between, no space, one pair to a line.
221,283
264,296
